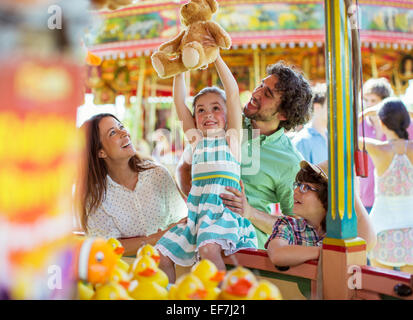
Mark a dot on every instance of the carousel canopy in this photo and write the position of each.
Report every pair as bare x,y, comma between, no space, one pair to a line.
139,29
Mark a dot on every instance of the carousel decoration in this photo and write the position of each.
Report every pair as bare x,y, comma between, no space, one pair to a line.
262,32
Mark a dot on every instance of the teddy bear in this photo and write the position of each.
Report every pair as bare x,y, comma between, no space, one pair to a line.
185,51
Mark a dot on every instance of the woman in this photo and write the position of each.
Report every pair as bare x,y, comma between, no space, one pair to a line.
120,194
391,212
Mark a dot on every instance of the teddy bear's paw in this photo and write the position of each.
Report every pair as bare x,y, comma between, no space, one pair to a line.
158,66
190,57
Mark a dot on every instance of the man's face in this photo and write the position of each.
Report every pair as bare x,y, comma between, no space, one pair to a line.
264,102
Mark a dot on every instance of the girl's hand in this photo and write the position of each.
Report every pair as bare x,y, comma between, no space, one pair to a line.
238,202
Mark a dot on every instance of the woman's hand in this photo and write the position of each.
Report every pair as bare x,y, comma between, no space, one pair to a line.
238,202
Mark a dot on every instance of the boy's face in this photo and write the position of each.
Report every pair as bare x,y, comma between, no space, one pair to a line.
371,99
307,205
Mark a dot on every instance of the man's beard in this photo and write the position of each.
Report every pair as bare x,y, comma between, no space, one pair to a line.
257,116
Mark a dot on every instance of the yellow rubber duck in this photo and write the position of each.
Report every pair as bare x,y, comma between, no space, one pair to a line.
85,290
146,270
147,290
188,287
111,291
237,284
121,277
96,261
150,251
210,276
118,249
265,290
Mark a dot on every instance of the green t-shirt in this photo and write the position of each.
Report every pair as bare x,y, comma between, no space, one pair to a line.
268,169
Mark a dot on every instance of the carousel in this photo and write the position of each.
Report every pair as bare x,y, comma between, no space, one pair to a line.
44,82
262,33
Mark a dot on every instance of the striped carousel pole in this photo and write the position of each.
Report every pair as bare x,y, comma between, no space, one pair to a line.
341,247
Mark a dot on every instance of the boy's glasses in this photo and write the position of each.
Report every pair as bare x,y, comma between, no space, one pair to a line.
304,187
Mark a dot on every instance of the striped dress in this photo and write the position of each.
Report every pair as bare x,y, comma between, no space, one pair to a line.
209,221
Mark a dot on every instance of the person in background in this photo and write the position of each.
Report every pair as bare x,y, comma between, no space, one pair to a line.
119,193
312,140
374,91
392,209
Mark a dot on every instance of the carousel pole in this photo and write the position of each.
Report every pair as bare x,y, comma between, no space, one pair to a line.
341,248
257,77
139,97
152,109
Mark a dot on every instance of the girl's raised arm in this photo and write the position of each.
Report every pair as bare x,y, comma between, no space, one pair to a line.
183,112
234,114
234,110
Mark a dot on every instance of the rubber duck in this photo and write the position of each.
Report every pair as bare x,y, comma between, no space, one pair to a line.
237,284
210,276
85,290
111,291
96,261
150,251
119,250
121,277
187,287
265,290
146,270
147,290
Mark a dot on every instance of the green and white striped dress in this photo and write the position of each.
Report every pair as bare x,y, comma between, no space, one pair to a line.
209,221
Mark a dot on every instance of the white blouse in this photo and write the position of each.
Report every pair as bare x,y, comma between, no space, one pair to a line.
154,204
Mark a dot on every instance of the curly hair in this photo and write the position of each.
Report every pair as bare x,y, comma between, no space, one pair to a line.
310,176
296,97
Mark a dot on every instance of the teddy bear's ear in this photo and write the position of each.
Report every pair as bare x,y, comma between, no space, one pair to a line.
213,4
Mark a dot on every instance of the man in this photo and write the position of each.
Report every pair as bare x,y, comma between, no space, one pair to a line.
374,91
311,141
269,161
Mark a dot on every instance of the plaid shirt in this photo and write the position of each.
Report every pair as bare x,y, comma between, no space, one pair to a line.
296,231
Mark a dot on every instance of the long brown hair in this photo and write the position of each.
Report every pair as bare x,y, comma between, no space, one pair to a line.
92,176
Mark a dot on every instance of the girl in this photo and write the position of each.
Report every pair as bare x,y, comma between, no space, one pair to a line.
391,212
120,194
214,133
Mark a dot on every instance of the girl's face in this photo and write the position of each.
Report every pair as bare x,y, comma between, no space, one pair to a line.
307,205
115,140
210,112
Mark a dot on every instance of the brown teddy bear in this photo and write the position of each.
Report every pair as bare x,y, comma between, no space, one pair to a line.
185,51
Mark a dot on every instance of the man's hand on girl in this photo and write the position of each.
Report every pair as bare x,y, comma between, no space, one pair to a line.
238,202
